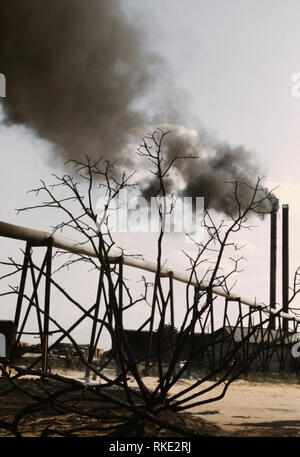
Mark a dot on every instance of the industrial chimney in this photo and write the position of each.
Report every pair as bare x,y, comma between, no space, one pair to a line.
285,263
273,265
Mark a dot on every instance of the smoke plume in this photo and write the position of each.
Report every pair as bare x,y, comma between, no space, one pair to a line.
212,172
74,69
75,72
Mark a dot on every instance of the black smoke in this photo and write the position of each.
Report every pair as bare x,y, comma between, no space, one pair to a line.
212,171
74,70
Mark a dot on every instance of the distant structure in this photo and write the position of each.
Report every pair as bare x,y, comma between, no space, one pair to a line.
272,347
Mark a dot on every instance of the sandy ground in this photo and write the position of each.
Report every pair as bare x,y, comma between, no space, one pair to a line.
251,408
248,408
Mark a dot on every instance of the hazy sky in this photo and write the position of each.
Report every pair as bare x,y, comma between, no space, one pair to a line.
231,64
234,60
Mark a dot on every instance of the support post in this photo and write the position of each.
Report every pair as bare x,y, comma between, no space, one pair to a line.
12,345
92,345
120,367
47,306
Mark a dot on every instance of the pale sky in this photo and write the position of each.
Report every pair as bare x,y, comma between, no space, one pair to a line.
231,62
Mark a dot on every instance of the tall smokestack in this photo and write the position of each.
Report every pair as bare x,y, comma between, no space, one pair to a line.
273,264
285,263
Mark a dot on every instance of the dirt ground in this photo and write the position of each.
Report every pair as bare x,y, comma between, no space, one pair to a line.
248,409
254,409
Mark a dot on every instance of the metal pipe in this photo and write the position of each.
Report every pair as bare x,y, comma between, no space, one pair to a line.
76,247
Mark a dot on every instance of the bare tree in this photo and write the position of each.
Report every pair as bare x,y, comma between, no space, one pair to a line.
75,197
